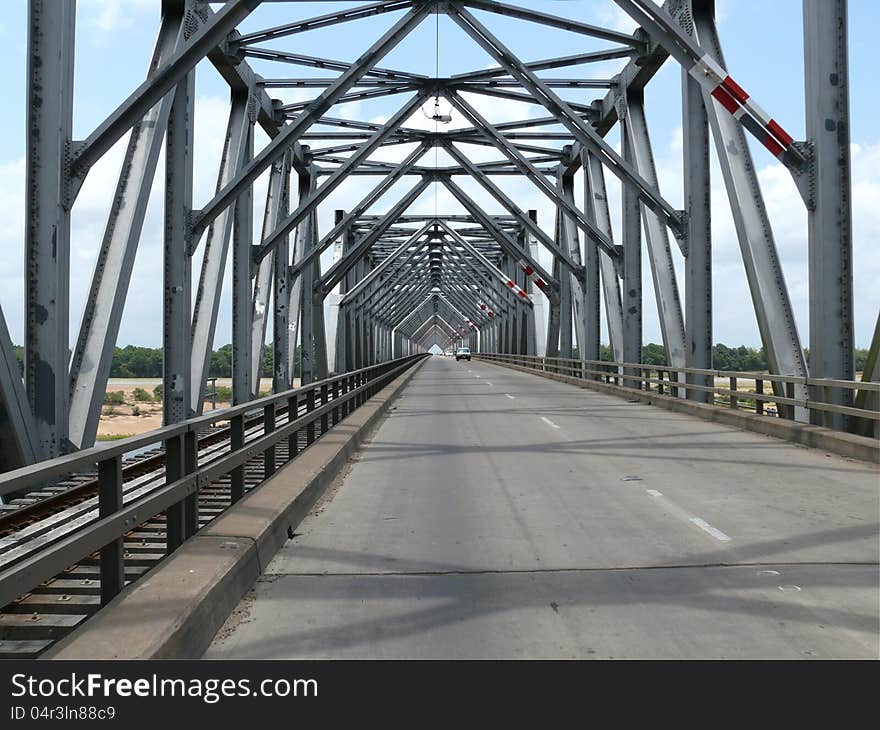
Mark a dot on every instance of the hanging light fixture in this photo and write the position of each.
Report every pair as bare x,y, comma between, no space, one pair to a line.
437,116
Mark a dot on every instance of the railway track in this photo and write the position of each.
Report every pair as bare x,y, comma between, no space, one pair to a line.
39,618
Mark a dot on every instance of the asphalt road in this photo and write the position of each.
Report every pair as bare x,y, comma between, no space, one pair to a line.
496,514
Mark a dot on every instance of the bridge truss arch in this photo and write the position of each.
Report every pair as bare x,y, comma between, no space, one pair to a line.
401,280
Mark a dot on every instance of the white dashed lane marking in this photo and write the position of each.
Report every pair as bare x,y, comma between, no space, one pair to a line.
548,422
684,515
713,531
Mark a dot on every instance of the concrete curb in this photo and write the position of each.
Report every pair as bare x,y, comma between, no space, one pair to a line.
862,448
175,610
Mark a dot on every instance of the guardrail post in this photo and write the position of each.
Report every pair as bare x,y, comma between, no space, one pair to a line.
109,502
292,438
310,406
174,515
660,383
269,427
759,404
191,502
734,401
336,413
325,419
236,477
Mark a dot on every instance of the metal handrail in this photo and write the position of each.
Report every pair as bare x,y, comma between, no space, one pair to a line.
641,373
183,475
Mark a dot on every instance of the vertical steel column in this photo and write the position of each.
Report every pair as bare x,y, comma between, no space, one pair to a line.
47,228
538,331
341,335
560,273
698,264
584,293
767,286
110,502
632,267
177,263
267,273
314,344
656,236
282,377
829,221
597,206
243,384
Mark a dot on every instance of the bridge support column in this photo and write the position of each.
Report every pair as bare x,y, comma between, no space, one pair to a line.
244,383
314,343
176,351
698,266
538,329
829,220
596,206
656,236
767,286
47,228
632,268
565,304
282,376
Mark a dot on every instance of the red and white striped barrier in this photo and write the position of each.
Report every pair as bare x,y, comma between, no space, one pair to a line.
734,98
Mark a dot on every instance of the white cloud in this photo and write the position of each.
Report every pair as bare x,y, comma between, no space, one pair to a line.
112,15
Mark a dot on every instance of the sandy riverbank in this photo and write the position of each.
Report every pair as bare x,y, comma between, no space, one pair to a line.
118,421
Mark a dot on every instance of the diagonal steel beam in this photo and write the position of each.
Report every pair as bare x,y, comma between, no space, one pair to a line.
142,99
581,130
93,352
299,59
550,63
386,262
553,21
506,242
291,132
265,278
377,192
17,429
204,320
331,183
338,270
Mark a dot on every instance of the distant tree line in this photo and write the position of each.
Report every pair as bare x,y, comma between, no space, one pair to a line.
146,362
742,358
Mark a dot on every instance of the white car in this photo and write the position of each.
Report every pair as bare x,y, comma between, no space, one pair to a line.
463,353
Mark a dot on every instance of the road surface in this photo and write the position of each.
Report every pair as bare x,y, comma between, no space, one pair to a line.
497,514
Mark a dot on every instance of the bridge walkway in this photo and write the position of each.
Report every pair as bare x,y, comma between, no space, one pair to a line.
497,514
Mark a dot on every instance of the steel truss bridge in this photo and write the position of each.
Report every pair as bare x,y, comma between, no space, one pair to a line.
400,281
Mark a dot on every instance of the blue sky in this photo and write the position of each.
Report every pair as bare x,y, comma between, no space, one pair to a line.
764,52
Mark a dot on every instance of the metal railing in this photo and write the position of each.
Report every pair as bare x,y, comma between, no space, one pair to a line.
326,402
666,380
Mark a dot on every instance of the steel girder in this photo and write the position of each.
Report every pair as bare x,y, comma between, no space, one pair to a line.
207,302
767,285
829,212
93,353
596,206
17,427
